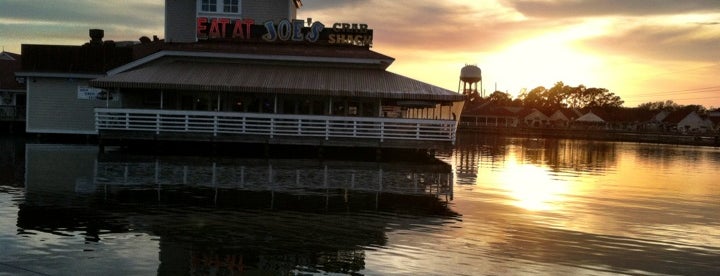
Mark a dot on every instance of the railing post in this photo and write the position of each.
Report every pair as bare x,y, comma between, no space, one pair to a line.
97,122
417,131
215,125
327,130
242,125
157,123
453,135
187,122
355,128
127,120
382,131
272,127
299,127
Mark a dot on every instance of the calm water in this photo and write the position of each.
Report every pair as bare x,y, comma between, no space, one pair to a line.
493,206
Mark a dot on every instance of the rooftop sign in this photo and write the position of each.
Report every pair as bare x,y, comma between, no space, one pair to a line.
285,30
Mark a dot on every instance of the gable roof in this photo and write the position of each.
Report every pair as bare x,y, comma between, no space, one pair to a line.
529,111
590,117
285,78
9,56
494,111
565,114
114,57
677,116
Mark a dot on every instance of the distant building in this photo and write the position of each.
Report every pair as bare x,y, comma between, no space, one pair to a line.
687,121
563,117
12,89
590,120
534,118
489,116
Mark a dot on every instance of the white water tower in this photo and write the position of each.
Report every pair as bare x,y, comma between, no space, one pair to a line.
470,76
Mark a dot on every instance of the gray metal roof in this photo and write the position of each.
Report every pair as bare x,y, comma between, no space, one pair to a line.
308,79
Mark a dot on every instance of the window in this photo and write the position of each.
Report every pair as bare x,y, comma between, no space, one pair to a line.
231,6
219,6
208,5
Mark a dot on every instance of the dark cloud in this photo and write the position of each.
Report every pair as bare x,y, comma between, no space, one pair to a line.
690,42
88,13
578,8
428,25
333,5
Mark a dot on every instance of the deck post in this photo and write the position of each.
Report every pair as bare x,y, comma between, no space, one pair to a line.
215,125
327,130
382,131
157,123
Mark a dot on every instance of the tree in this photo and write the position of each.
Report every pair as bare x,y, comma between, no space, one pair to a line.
583,97
601,97
694,107
500,98
473,99
668,105
534,98
556,97
561,96
574,97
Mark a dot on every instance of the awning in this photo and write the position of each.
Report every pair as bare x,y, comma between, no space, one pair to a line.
194,75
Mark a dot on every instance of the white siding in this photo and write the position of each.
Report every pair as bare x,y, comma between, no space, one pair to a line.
693,122
265,10
54,107
180,18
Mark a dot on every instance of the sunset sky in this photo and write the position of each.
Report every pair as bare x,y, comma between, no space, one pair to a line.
641,50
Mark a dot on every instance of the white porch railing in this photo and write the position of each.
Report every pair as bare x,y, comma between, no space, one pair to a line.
272,125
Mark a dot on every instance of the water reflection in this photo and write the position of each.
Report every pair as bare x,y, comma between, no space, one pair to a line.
535,173
532,186
475,151
12,161
227,215
517,206
608,207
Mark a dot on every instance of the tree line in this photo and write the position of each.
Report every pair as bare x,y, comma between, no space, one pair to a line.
561,95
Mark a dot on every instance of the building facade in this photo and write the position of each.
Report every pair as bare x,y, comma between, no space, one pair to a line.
238,71
181,16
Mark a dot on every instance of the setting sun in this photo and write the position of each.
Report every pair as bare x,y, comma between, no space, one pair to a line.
540,61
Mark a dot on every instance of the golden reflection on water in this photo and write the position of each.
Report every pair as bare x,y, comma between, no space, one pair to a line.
532,187
601,187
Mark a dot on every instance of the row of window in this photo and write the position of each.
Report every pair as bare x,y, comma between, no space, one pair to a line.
226,6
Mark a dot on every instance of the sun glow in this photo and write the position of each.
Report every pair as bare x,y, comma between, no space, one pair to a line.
532,187
540,62
546,59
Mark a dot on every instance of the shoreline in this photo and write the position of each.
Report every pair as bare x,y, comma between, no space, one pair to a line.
600,135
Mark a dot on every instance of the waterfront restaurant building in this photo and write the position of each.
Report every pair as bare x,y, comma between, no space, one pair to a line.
237,71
